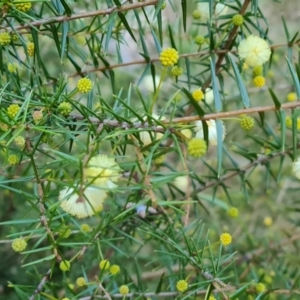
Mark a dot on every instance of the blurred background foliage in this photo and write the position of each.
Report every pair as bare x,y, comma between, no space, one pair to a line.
164,221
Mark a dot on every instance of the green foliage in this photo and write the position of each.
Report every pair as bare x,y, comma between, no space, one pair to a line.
99,190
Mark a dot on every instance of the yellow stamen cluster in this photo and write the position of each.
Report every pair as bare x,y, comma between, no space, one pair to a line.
24,7
12,159
259,81
260,287
65,108
80,281
13,110
104,264
225,239
64,232
65,265
176,71
5,38
291,97
246,122
237,20
268,221
19,142
19,245
124,290
182,286
3,127
199,40
169,57
196,14
30,49
84,85
197,147
289,122
198,95
12,68
114,270
233,212
85,228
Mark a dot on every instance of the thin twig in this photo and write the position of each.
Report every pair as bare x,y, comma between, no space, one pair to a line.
83,15
41,285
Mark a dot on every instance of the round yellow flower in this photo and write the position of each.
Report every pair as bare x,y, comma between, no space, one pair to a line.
259,81
199,40
196,14
80,281
19,142
182,286
104,264
114,270
212,131
85,228
37,116
64,108
12,68
102,171
289,122
5,38
254,50
198,95
291,97
65,265
246,122
84,85
260,287
182,182
268,221
24,7
225,239
19,245
30,49
82,206
13,110
197,147
237,20
233,212
12,159
124,290
169,57
176,71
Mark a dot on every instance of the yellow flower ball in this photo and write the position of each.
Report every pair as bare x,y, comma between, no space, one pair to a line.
197,147
257,70
65,265
182,286
24,7
225,239
5,38
13,110
64,108
169,57
237,20
19,142
291,97
176,71
198,95
268,221
80,281
124,290
259,81
199,40
246,122
12,159
233,212
84,85
30,49
19,245
85,228
114,270
260,287
104,264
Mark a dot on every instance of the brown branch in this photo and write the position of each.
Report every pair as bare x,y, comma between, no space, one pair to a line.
41,285
212,116
101,12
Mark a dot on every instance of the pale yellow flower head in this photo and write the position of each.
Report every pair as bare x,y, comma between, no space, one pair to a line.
212,131
102,171
254,51
82,206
